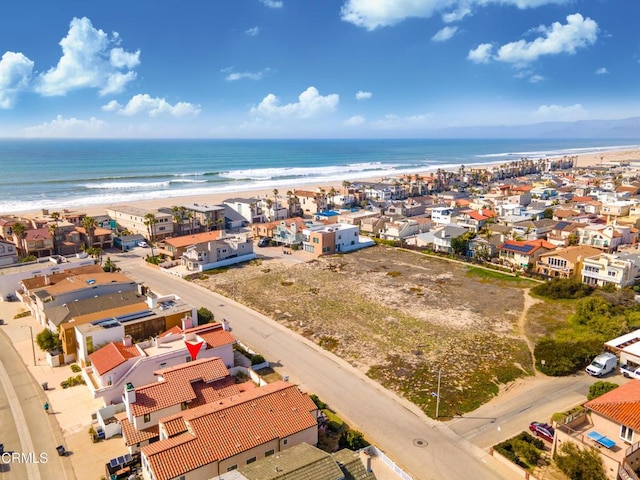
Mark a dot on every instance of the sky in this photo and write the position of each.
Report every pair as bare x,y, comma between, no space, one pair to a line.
312,68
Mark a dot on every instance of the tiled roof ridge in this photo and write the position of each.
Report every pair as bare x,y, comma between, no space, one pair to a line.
242,397
203,328
184,366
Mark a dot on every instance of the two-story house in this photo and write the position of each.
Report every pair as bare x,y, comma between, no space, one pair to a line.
618,269
235,430
8,253
565,262
522,255
334,238
121,362
229,249
135,220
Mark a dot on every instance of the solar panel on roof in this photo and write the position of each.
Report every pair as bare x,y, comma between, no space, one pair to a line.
134,316
561,225
520,248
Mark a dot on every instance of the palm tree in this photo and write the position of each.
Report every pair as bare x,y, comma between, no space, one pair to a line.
275,202
332,194
346,184
176,214
89,224
150,220
53,231
191,216
19,234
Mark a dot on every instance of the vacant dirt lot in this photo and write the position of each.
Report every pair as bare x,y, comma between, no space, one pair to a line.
400,317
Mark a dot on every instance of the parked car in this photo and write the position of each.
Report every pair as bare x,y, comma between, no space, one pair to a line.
143,244
264,242
542,430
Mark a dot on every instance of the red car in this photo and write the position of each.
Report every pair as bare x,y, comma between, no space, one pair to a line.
542,430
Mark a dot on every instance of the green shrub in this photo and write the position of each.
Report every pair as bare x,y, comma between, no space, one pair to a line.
75,368
319,403
353,440
564,357
580,464
257,359
72,381
526,451
562,288
205,316
600,388
48,341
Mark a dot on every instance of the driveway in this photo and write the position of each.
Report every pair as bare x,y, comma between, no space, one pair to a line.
426,449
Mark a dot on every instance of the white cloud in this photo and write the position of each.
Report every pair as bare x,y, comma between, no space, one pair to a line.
15,76
392,121
559,113
480,54
272,3
310,103
144,104
578,32
456,15
360,95
68,127
354,121
372,14
234,76
602,71
536,78
444,34
89,61
253,31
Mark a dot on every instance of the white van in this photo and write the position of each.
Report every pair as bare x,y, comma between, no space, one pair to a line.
602,364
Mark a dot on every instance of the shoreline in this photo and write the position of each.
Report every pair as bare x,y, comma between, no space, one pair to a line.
583,160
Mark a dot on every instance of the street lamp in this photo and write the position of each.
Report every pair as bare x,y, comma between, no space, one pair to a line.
33,349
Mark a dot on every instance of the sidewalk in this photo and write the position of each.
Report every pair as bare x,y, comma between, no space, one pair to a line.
71,407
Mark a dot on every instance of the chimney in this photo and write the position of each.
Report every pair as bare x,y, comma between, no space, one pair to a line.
187,322
369,464
129,394
47,279
225,325
127,341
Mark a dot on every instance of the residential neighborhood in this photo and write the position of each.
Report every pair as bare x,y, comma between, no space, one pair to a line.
179,396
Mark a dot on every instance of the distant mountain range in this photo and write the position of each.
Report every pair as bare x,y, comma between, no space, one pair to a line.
628,128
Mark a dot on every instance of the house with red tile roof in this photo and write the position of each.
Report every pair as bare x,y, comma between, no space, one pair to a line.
175,247
121,362
236,430
37,242
176,389
520,255
609,426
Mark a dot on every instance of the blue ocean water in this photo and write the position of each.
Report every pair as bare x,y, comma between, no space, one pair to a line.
57,174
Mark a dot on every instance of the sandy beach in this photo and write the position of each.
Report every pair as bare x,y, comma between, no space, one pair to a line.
584,160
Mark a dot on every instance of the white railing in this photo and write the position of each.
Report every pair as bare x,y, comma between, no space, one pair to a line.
375,451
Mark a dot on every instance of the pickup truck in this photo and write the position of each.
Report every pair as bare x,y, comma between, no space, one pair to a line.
629,371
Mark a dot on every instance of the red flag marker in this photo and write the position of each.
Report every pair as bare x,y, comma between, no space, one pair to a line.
193,348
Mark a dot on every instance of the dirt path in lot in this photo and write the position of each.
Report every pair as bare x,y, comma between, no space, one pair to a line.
529,302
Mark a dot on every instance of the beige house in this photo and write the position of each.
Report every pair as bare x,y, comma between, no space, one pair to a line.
565,262
610,426
618,269
133,219
8,253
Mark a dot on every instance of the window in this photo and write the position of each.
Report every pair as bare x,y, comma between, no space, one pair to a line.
183,406
626,433
232,467
251,460
611,274
188,358
285,441
316,240
147,418
268,453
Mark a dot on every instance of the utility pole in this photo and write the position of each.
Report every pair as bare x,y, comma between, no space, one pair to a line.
438,394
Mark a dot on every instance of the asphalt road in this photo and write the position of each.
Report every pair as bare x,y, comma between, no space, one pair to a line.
424,448
25,428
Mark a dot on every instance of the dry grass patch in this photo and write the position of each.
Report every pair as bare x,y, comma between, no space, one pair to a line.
399,317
